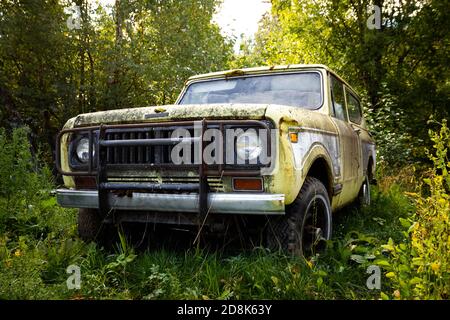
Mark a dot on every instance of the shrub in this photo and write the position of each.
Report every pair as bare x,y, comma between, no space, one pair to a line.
419,267
26,204
35,233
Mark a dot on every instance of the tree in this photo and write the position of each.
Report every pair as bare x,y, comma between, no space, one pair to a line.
139,53
397,68
157,46
36,68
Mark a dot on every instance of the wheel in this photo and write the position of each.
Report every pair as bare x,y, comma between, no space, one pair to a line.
90,226
363,199
307,224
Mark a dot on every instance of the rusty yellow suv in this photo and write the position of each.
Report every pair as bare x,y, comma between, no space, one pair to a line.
280,147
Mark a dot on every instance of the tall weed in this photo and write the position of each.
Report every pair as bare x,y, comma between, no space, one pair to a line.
419,266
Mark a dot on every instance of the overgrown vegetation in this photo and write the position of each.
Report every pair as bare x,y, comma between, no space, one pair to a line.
132,54
405,233
396,68
419,265
139,53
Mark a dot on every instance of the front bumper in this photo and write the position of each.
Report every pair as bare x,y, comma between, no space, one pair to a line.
222,203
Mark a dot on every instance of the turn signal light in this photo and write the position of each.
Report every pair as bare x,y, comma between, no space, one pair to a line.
248,184
85,183
293,136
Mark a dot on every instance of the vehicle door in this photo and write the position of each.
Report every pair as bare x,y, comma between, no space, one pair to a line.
348,143
355,119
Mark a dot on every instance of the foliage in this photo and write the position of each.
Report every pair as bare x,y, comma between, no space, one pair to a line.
419,266
26,206
35,233
134,54
396,69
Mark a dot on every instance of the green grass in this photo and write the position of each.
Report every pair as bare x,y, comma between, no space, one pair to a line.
33,264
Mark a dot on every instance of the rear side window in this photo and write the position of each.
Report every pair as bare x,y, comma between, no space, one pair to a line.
354,108
337,90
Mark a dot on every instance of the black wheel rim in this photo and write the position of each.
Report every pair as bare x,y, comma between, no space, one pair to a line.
315,227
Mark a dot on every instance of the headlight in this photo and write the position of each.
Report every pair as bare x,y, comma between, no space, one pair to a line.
248,145
82,150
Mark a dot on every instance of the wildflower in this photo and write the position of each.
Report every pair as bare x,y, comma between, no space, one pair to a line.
17,253
435,266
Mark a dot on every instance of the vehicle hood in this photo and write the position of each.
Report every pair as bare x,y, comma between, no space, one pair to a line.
171,113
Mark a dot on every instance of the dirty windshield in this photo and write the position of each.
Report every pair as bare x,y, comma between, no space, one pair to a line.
292,89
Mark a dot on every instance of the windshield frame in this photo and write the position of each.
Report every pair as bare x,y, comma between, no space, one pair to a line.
320,105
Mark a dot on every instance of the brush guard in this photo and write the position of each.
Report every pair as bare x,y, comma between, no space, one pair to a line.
97,165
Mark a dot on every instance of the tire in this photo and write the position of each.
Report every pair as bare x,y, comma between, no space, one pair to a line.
307,224
363,199
90,227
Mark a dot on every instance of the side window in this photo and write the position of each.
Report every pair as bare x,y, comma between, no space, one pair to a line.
337,90
354,109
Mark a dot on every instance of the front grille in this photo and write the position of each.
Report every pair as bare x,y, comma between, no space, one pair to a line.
159,155
147,147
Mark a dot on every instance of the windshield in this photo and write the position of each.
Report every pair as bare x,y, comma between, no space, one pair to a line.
292,89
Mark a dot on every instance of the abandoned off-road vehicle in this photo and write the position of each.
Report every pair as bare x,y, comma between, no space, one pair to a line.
283,145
